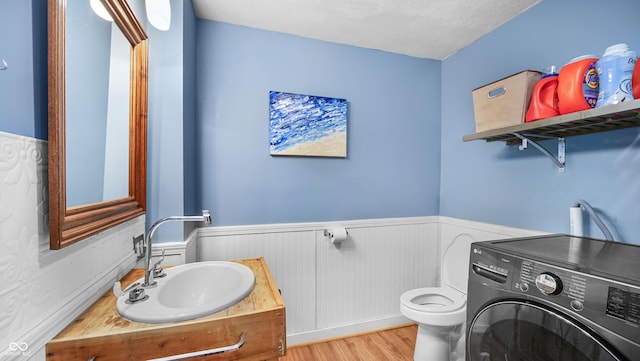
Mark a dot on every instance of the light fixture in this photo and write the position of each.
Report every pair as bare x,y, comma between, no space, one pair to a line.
99,9
159,13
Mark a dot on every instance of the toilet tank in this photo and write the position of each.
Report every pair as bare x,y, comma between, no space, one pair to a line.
455,262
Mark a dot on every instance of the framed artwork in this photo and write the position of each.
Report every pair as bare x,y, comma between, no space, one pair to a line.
307,125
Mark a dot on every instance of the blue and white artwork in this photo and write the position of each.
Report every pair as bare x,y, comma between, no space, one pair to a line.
307,125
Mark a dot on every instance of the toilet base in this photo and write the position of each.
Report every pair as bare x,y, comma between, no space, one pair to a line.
439,343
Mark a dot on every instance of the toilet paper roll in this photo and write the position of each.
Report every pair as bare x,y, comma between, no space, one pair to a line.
337,235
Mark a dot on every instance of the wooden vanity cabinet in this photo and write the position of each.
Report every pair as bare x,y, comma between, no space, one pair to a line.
100,333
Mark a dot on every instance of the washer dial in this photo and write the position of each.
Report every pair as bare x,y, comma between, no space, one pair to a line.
549,284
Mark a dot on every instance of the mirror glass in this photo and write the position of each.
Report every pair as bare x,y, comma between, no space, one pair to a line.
97,107
97,118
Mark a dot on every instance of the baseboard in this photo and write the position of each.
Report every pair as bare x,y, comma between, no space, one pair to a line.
344,331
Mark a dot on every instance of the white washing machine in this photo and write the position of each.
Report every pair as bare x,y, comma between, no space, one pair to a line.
553,298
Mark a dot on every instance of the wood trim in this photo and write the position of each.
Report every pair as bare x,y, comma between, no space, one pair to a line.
70,225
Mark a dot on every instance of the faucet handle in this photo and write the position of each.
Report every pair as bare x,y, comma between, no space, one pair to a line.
117,289
135,291
119,292
157,271
161,259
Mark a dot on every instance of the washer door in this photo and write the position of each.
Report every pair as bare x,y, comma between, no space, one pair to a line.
519,331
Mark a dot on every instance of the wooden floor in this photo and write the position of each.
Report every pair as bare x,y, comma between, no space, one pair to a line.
388,345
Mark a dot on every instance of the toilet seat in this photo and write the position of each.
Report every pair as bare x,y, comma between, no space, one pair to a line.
437,306
433,299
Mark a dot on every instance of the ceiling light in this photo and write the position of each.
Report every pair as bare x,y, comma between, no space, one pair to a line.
159,13
99,9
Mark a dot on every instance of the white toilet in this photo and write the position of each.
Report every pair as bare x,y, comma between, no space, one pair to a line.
440,312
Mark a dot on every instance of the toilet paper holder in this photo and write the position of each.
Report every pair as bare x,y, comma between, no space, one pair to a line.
336,235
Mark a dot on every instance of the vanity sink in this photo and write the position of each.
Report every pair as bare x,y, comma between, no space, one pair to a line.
100,332
190,291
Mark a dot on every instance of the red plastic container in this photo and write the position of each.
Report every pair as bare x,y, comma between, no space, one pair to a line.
544,99
578,85
635,80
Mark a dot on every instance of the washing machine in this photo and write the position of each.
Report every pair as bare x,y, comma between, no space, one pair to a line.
553,298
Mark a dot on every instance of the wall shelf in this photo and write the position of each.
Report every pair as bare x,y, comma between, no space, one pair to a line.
618,116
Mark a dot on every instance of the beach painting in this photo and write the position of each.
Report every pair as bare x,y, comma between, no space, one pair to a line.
307,125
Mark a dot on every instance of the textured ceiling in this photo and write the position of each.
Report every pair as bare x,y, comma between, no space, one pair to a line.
431,29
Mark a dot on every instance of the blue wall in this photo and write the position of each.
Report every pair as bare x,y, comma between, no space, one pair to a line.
393,161
23,86
495,183
394,167
166,148
189,112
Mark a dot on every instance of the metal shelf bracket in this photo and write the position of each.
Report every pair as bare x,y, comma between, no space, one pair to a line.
559,160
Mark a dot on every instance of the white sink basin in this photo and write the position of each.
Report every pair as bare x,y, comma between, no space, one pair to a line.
190,291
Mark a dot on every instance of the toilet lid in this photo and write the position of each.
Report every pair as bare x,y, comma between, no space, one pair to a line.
455,270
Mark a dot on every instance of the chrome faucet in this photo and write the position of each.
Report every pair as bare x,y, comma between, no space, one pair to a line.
150,270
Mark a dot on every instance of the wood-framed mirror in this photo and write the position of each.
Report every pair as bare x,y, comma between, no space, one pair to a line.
72,221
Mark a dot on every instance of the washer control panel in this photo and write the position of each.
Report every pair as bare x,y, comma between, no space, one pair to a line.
552,281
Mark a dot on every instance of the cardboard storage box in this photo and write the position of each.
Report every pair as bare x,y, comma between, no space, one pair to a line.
504,102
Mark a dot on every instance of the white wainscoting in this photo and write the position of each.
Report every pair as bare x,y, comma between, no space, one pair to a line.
330,291
362,281
42,291
290,254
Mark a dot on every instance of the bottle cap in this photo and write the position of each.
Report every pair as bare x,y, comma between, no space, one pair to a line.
582,57
617,49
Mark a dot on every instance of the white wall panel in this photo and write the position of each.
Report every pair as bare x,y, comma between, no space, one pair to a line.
290,255
364,278
42,291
